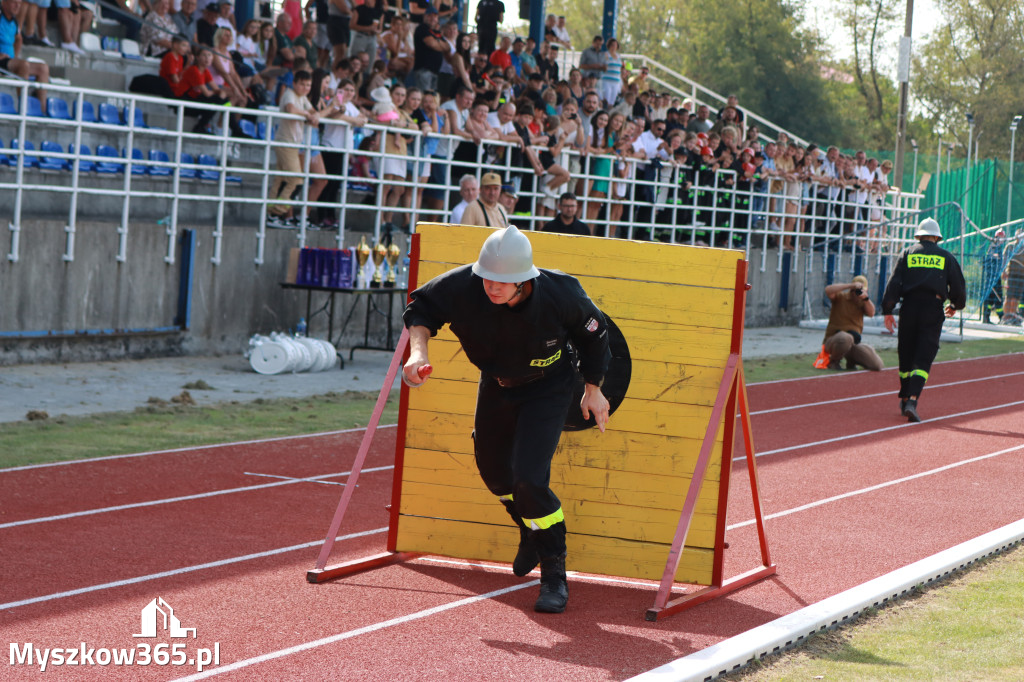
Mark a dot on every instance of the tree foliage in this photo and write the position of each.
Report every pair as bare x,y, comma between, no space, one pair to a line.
755,49
974,63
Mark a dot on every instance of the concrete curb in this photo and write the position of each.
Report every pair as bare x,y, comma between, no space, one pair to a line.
792,630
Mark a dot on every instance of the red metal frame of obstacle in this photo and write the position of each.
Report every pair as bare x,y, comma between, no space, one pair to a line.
732,396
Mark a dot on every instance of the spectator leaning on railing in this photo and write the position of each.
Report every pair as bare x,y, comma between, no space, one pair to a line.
290,131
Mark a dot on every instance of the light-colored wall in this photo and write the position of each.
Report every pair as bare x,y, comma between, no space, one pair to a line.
52,310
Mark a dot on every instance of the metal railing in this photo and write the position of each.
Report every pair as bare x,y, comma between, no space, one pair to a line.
656,202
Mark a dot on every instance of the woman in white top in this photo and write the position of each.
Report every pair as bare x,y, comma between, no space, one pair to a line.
611,79
573,135
246,44
339,138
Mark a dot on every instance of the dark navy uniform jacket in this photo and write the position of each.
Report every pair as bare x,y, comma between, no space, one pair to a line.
926,270
525,341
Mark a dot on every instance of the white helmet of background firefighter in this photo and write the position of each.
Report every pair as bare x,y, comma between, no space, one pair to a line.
506,256
928,228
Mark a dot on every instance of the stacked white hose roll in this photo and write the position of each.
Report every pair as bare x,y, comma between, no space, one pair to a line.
279,353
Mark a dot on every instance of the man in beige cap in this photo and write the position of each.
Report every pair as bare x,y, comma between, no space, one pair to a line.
850,303
486,211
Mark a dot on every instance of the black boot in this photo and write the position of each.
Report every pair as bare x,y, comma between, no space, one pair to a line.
554,589
526,558
903,406
910,411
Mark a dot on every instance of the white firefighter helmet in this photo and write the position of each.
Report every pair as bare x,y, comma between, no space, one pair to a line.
506,256
928,228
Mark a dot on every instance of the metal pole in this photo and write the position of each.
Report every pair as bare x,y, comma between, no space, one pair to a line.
913,143
970,144
1009,190
938,170
903,75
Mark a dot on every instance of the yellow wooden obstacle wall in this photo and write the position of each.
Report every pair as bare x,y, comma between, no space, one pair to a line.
622,491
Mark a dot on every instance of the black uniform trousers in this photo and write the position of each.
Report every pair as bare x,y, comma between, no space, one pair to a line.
921,318
516,431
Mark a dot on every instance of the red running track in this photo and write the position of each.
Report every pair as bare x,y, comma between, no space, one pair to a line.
851,491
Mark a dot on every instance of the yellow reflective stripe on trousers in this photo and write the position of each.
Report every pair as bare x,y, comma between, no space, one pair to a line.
545,522
921,373
505,498
904,375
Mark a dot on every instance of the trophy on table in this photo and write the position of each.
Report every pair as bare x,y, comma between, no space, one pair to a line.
394,254
362,255
380,252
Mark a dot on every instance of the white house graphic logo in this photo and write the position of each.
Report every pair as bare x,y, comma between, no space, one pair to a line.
151,621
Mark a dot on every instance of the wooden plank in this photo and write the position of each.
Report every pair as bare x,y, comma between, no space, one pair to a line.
650,490
633,416
589,554
451,246
636,300
652,379
620,509
611,450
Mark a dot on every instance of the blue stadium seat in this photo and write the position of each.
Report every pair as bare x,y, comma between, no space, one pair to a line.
140,119
190,173
138,161
108,167
208,175
248,128
31,160
57,108
84,165
50,163
88,112
110,115
4,161
7,104
35,107
213,175
159,156
261,130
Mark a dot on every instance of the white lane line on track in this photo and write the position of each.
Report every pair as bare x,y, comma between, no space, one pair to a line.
341,636
833,375
882,394
180,571
192,448
878,486
295,479
184,498
851,436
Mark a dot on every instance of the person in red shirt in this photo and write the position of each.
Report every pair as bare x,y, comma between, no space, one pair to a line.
172,66
199,88
501,56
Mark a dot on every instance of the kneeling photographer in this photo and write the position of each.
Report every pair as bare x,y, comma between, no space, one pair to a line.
850,303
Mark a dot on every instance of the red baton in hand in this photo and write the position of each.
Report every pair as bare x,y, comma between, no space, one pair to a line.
423,372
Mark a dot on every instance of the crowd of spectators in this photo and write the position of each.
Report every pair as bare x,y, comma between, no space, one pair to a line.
416,70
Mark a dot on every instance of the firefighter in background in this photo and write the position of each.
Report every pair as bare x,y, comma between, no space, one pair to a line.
514,322
925,276
991,277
